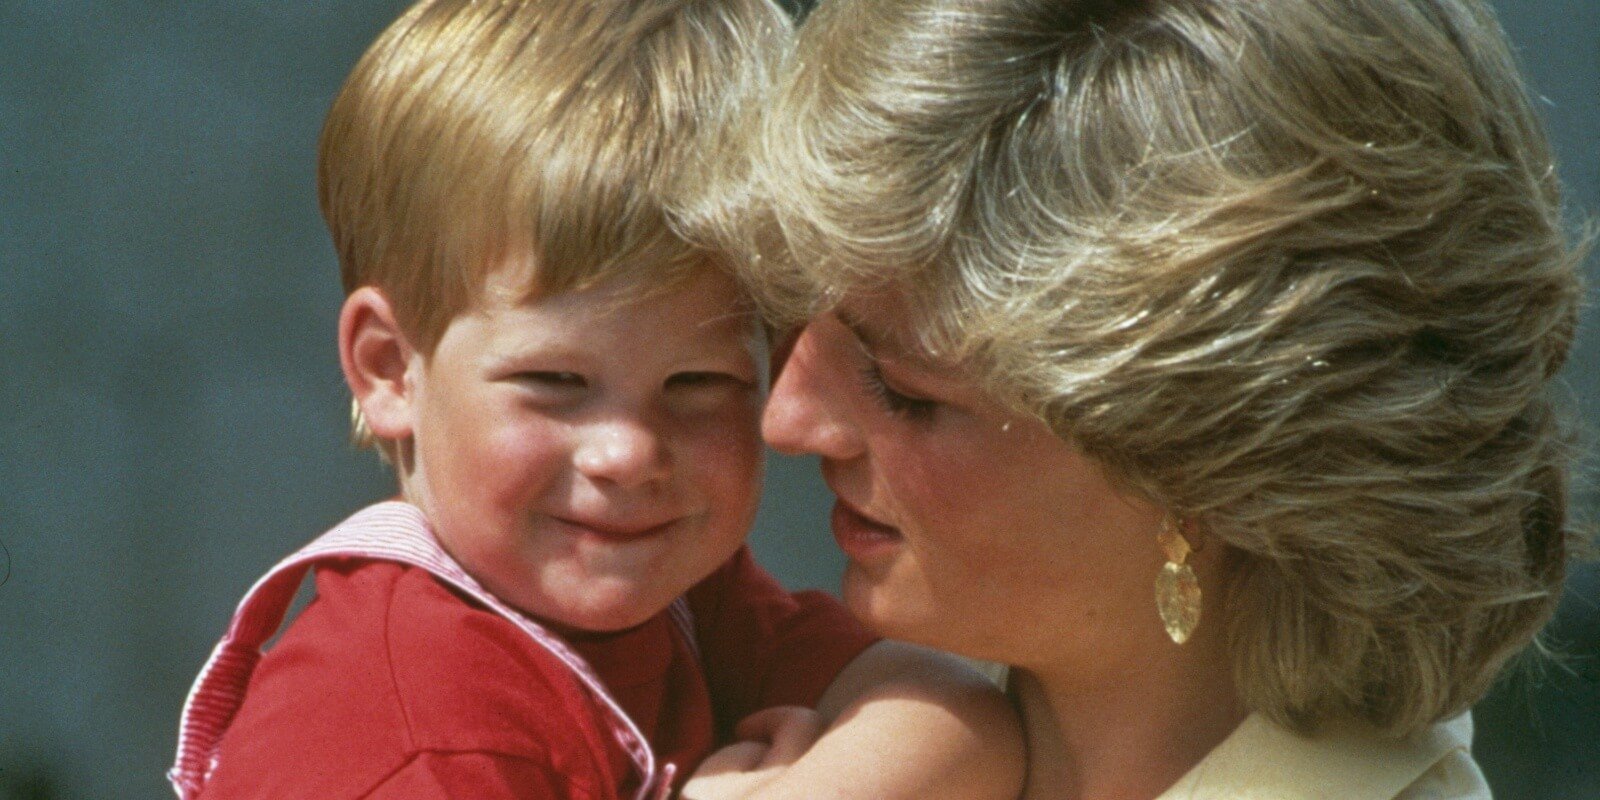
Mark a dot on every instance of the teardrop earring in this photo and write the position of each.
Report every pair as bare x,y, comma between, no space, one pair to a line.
1177,588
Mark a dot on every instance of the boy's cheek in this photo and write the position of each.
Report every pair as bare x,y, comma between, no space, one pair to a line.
520,458
738,440
730,456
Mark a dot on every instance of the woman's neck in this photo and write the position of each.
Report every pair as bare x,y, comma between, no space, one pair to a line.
1127,741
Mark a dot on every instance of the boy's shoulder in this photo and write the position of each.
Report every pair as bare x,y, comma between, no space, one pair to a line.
761,645
388,668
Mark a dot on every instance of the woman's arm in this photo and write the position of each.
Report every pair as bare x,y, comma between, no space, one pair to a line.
900,721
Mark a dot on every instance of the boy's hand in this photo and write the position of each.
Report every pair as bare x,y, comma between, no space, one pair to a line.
770,740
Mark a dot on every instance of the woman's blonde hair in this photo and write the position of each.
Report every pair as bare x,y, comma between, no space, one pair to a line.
1293,269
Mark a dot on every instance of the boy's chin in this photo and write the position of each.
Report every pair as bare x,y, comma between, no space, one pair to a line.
599,618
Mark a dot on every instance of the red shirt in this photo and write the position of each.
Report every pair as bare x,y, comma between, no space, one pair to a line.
391,685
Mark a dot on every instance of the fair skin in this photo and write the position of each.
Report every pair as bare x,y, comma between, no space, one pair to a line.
975,529
585,479
590,456
901,722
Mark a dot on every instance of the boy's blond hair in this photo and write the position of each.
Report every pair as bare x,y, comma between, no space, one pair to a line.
572,140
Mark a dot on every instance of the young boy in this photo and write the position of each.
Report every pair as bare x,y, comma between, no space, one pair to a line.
568,388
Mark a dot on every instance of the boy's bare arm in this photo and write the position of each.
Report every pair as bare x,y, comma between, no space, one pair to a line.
900,721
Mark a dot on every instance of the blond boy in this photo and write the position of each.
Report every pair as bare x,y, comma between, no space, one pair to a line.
545,346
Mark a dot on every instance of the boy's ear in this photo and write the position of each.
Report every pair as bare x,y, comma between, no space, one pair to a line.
376,357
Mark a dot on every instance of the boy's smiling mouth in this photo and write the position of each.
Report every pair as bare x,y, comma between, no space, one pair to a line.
617,530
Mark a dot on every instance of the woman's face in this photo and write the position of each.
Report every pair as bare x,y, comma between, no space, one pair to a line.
968,527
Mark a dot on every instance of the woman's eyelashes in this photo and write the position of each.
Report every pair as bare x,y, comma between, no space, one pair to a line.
892,400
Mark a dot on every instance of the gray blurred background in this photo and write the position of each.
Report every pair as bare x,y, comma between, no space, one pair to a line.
172,418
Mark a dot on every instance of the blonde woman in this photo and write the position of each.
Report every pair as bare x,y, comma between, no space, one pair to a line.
1191,358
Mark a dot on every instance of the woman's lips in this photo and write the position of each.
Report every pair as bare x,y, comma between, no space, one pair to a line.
860,537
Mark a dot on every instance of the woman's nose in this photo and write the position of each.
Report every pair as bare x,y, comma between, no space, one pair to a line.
807,409
624,451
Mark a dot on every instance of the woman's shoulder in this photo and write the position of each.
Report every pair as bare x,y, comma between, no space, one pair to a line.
1454,777
1262,760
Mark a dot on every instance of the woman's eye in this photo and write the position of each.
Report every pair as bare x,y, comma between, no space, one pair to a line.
895,402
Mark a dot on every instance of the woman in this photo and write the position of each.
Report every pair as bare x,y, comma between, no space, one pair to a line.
1191,358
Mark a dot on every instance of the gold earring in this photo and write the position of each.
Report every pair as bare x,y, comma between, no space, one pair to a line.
1177,588
360,434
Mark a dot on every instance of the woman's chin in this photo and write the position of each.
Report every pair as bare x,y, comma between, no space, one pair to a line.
876,605
860,594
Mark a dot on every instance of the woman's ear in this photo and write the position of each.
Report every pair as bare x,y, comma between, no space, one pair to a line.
376,357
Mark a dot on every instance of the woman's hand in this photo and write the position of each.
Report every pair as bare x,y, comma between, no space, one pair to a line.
769,741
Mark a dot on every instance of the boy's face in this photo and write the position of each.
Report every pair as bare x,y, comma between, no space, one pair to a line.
589,458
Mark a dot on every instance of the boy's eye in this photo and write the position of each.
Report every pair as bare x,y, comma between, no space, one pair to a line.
692,380
895,402
705,392
553,379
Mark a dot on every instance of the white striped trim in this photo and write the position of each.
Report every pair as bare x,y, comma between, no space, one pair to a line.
683,617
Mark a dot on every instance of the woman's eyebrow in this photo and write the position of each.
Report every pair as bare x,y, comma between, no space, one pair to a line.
865,336
879,345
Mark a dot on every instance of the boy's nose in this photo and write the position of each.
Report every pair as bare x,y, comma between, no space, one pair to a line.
626,452
806,410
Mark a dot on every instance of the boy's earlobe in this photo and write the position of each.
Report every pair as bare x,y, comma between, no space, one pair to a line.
375,356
